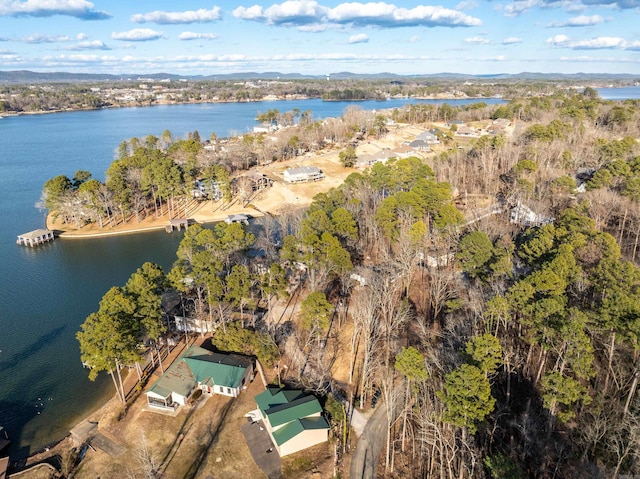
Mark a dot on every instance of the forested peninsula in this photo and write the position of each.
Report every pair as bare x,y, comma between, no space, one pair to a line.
483,293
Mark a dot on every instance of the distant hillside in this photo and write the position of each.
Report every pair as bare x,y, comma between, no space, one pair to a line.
26,76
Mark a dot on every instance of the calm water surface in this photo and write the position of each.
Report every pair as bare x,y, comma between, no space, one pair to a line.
47,292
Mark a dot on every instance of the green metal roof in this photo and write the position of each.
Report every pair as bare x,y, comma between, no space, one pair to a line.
298,409
294,428
177,378
274,396
200,365
217,368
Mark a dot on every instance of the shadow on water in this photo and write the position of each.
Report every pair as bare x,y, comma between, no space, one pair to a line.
26,414
29,350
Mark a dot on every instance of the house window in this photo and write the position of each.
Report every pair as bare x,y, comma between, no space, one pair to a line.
221,389
228,390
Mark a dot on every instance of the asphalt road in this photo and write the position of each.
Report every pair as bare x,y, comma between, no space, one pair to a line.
371,442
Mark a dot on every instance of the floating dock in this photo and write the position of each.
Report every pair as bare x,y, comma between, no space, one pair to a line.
35,237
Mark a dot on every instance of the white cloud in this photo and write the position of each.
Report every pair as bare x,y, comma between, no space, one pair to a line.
589,59
477,40
558,40
82,36
39,38
511,40
47,8
359,38
579,21
467,5
303,13
137,35
190,16
197,36
415,39
597,43
89,45
522,6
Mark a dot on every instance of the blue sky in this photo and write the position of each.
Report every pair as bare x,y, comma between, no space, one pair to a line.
320,37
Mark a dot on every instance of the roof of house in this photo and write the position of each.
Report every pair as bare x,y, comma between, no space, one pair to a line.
35,234
426,136
303,170
176,379
198,365
284,406
275,395
219,369
294,428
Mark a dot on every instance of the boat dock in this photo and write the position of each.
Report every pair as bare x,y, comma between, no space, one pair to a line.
35,237
177,224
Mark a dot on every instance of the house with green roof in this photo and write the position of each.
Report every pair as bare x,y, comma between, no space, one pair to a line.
198,368
293,419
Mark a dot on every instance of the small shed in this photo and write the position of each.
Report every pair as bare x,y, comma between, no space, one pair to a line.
303,174
36,237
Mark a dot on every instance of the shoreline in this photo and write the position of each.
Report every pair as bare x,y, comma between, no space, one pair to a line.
200,102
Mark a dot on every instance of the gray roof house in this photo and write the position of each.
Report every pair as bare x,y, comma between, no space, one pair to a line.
429,137
303,174
198,368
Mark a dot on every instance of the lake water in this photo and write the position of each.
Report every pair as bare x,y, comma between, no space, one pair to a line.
47,292
632,92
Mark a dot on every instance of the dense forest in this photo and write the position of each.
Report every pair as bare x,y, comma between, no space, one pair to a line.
497,349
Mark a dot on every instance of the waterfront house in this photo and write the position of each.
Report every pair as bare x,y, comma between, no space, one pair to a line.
198,368
303,174
292,418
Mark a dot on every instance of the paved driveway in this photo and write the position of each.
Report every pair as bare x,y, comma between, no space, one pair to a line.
259,444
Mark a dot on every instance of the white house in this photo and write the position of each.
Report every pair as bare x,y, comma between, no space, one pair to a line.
429,137
303,173
198,368
293,419
369,159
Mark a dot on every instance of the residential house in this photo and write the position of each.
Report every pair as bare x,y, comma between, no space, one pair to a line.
403,151
525,216
420,145
303,174
198,368
428,137
467,132
258,181
369,159
293,419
